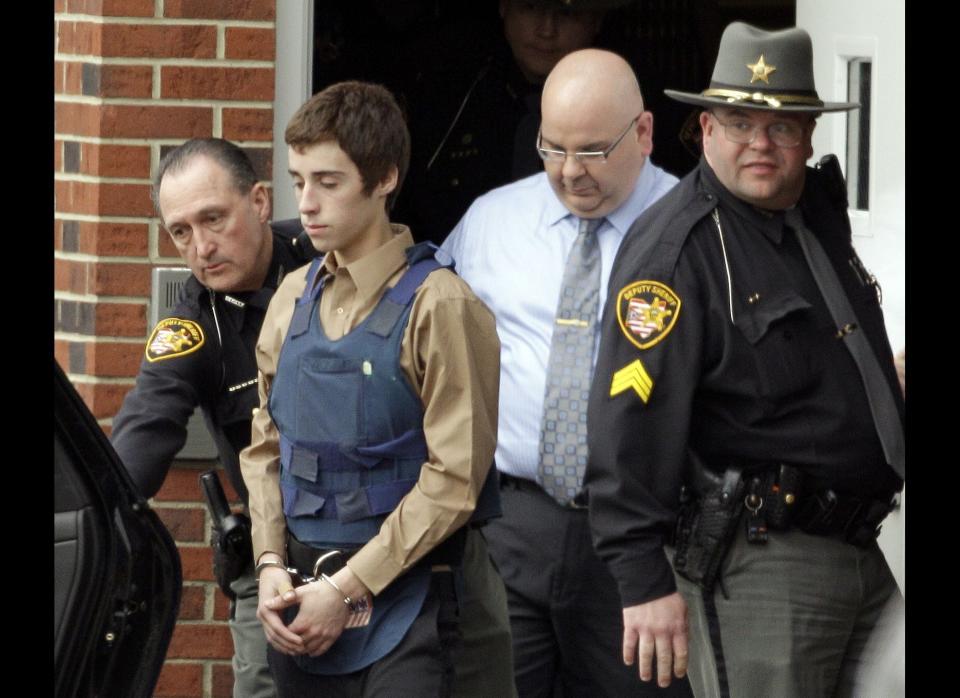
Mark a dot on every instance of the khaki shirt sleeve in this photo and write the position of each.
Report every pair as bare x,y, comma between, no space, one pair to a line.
260,461
451,354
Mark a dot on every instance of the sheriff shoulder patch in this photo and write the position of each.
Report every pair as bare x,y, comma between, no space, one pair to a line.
173,337
632,376
647,311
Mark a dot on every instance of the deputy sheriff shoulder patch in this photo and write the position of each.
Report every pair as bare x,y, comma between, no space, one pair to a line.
647,311
173,337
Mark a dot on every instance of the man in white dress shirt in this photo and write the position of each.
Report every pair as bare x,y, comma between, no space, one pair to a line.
538,252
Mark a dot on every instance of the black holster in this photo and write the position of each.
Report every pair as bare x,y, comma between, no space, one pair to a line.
231,539
710,510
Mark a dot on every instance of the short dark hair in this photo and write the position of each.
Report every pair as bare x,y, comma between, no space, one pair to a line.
224,153
367,124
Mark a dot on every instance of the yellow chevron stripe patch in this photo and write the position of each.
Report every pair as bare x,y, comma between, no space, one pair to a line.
635,376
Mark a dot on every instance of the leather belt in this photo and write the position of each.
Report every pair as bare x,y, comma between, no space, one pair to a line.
303,557
578,503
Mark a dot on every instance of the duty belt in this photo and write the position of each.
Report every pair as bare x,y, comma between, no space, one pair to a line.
854,519
779,498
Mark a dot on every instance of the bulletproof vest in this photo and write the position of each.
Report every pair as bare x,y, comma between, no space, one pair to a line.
352,445
350,423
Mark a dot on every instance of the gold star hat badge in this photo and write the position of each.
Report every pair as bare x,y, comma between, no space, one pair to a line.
761,71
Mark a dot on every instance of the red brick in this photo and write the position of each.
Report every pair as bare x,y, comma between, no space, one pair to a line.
57,155
197,563
125,200
188,82
121,319
72,78
125,81
114,359
79,38
79,119
220,9
125,121
70,275
61,352
181,485
113,8
106,160
245,43
58,76
75,197
186,525
59,6
221,605
103,399
192,603
248,124
222,681
180,681
133,121
117,279
107,239
159,41
165,246
201,641
104,199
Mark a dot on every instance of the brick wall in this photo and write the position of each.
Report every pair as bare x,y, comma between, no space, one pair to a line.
133,78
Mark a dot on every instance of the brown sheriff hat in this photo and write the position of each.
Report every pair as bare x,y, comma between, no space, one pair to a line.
759,69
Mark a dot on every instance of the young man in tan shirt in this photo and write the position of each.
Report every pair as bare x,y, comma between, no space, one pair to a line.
375,433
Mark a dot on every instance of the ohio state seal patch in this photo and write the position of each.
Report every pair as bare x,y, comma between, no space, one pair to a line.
647,311
173,337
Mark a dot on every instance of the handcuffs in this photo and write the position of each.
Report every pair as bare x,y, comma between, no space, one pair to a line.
360,610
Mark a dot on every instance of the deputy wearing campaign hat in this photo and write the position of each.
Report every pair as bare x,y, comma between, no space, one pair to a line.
745,422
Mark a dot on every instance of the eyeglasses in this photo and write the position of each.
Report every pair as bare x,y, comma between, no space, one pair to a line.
582,157
786,134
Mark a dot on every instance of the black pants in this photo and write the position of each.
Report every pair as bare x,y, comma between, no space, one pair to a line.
565,611
420,665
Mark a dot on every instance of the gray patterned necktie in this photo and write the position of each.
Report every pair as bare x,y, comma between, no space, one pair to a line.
886,418
563,430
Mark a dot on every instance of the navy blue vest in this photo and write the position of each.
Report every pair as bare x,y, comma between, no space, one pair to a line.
352,445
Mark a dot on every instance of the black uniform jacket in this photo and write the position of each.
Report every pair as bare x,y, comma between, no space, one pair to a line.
219,375
724,346
471,132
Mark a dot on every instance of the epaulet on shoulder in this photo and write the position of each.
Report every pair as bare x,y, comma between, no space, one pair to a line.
657,236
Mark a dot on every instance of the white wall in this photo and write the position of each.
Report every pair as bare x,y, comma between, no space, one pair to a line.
873,28
293,83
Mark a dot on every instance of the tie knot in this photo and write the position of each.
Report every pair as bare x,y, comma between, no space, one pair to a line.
589,225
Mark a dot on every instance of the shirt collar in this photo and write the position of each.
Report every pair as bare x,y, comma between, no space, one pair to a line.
371,272
621,217
770,223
